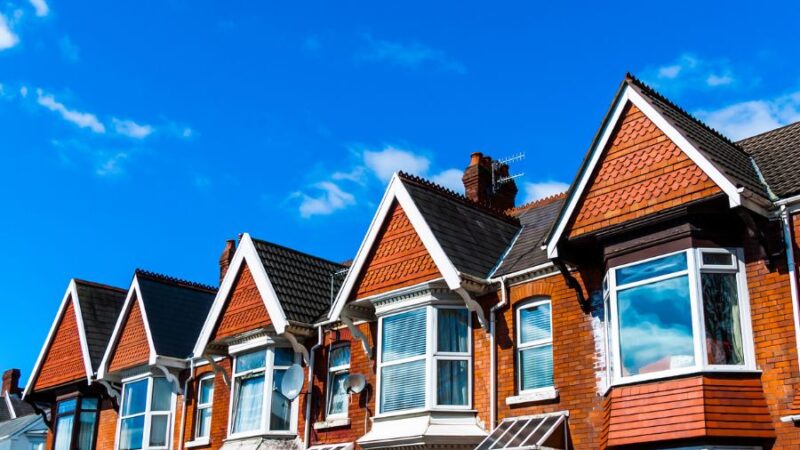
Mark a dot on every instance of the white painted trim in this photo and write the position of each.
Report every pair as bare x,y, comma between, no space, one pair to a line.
245,253
629,94
70,295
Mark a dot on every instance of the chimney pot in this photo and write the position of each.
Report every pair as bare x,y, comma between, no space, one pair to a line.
475,158
478,187
11,381
226,257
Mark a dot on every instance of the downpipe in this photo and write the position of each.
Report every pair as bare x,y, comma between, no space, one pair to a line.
310,395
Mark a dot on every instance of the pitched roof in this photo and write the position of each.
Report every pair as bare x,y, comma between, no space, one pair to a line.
304,284
100,306
777,154
21,408
473,237
176,310
12,427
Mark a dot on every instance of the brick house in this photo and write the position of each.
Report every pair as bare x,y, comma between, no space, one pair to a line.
654,305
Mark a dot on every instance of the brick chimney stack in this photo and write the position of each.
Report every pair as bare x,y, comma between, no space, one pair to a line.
11,381
477,181
226,257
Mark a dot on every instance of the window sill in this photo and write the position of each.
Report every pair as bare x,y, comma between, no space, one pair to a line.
199,442
262,434
332,423
538,395
424,411
686,372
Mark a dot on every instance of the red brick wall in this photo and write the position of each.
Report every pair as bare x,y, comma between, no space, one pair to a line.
397,259
132,347
63,361
106,427
219,408
244,309
641,172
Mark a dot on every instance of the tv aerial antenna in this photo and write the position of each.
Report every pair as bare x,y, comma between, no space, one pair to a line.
498,179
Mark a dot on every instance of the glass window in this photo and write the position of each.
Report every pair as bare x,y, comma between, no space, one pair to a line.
534,345
338,371
140,417
65,421
452,356
68,434
205,398
722,315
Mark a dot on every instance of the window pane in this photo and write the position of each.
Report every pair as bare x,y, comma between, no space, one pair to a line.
64,431
135,397
86,430
655,327
284,356
722,319
452,382
248,361
536,367
337,398
340,356
717,259
452,330
162,395
534,323
403,386
88,403
67,406
158,430
249,397
281,410
404,335
130,435
651,269
204,422
206,390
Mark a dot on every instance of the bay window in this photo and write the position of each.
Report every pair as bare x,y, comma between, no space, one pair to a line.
76,423
338,371
425,360
205,397
258,406
534,346
146,414
678,313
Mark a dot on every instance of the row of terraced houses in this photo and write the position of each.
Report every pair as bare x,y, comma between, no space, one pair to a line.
652,306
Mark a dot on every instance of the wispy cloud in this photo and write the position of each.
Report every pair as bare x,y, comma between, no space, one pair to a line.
326,198
690,72
412,55
132,129
81,119
106,163
7,37
69,51
112,165
41,7
538,190
745,119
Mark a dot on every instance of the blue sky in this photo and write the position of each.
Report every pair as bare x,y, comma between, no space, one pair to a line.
144,134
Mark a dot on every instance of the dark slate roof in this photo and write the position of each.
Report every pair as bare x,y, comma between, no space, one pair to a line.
21,408
777,154
474,237
537,218
100,308
26,423
176,311
724,154
305,285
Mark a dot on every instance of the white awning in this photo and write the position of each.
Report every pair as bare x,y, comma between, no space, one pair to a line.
540,432
344,446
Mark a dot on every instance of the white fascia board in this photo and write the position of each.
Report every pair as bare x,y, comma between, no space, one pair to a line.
76,307
630,95
245,253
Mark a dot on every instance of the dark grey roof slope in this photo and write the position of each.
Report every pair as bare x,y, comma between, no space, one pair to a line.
100,307
305,284
10,428
473,237
176,311
724,154
21,408
777,154
537,218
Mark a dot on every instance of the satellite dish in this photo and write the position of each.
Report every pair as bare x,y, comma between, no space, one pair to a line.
292,382
355,383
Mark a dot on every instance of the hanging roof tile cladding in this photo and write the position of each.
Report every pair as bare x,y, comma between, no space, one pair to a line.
100,307
472,236
302,282
176,311
777,154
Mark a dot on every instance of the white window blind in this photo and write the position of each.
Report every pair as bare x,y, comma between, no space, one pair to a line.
534,345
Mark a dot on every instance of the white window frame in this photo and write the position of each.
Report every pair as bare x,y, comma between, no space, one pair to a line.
208,378
148,414
521,346
694,268
431,357
332,372
266,404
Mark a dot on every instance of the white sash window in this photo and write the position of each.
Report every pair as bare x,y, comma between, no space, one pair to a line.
145,416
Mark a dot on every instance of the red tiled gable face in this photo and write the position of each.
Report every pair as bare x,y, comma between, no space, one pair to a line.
133,348
640,173
244,309
398,258
63,362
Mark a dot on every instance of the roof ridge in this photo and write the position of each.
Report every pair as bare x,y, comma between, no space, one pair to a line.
483,207
174,280
99,285
299,252
540,202
764,133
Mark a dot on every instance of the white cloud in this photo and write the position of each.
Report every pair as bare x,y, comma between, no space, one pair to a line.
689,71
719,80
112,165
384,163
745,119
69,51
412,55
329,198
7,37
41,7
451,179
357,175
539,190
132,129
23,91
81,119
